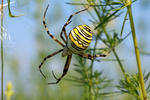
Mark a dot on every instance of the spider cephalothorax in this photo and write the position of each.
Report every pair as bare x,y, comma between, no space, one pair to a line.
75,43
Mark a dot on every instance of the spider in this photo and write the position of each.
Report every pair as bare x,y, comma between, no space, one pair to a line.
75,43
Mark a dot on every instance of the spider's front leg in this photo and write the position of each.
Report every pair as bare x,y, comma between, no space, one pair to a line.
67,23
64,31
46,28
66,67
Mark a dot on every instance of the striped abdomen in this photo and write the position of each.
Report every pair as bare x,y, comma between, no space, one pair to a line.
79,38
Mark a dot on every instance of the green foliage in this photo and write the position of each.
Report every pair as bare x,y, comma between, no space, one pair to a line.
97,82
131,85
107,11
9,10
88,82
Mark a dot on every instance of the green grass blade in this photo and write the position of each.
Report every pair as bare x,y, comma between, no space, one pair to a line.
123,23
106,19
9,10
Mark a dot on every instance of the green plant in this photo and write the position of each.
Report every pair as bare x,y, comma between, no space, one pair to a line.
2,55
107,11
2,41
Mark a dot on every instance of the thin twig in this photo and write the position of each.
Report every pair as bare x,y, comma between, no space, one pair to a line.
2,58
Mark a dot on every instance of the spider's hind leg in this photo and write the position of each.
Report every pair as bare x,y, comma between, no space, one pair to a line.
91,57
47,57
66,67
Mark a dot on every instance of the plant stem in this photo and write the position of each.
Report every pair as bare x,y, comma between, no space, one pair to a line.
121,66
136,49
91,95
117,57
2,58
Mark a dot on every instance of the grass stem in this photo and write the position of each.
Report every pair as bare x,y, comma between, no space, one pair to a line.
136,49
2,58
113,50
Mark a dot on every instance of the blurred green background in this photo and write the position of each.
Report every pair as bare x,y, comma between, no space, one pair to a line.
27,43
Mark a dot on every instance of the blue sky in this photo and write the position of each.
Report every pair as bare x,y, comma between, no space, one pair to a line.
21,30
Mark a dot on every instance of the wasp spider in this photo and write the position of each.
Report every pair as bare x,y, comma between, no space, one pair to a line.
75,43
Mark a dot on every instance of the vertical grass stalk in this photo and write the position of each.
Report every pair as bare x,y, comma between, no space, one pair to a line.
91,94
2,60
136,49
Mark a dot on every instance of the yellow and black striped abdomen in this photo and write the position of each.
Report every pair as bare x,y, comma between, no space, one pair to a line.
79,38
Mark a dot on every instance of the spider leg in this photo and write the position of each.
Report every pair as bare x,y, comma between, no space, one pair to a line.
54,75
91,57
48,32
66,67
68,22
47,57
64,31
